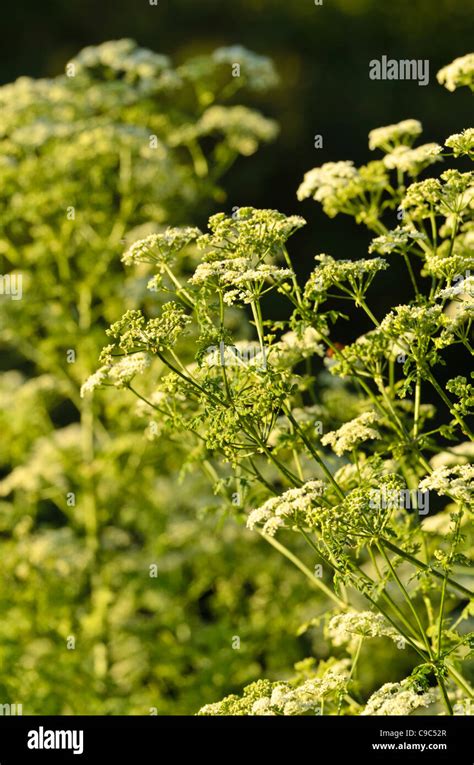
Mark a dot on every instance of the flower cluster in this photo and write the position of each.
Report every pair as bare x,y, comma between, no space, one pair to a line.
342,188
456,481
249,232
398,699
342,628
294,346
362,356
161,247
325,181
397,240
388,137
405,322
413,161
119,375
352,275
464,392
134,333
421,198
240,251
239,274
352,433
257,70
267,698
243,128
149,72
461,143
458,73
294,507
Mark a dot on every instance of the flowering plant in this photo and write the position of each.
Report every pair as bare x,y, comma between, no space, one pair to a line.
264,431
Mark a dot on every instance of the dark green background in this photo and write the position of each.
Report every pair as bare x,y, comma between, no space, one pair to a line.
322,55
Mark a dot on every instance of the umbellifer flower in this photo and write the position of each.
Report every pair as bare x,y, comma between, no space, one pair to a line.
459,72
295,506
343,627
352,433
397,699
388,137
456,481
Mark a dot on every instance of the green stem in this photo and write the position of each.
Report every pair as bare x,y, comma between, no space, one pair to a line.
424,567
316,456
299,564
465,429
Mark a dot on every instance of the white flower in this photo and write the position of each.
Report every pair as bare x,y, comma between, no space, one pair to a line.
461,143
258,70
293,506
323,181
293,347
413,161
280,695
308,695
120,374
352,433
237,272
272,525
397,699
244,128
262,706
397,239
126,369
390,136
160,247
94,381
458,72
343,627
456,481
463,286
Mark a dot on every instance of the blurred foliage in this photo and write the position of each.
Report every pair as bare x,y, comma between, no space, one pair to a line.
88,502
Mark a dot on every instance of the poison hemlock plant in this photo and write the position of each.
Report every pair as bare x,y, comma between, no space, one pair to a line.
258,415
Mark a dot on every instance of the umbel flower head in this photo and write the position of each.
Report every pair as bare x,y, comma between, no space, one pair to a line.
248,232
240,253
293,507
119,375
459,72
304,698
352,433
256,72
397,240
161,248
134,333
243,128
343,188
401,134
413,161
398,699
456,481
342,628
354,276
461,143
322,182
